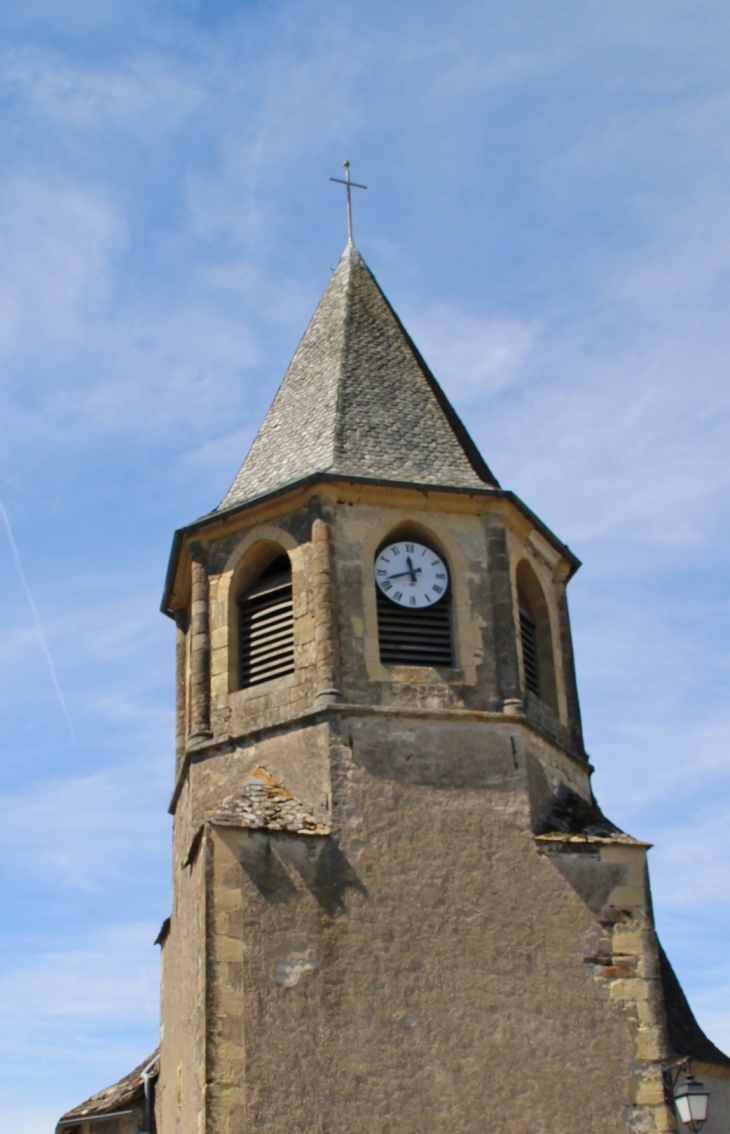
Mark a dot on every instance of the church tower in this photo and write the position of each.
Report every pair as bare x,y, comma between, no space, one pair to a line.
397,907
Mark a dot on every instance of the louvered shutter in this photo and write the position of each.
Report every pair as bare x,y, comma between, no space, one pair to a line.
414,637
528,637
266,631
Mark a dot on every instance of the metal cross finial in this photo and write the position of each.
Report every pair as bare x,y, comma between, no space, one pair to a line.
350,185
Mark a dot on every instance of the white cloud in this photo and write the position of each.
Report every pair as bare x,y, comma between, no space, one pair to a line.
146,93
165,216
622,438
28,1117
75,1018
472,357
113,974
19,647
167,369
85,832
59,241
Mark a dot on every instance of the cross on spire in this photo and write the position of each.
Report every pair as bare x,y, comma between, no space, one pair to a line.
349,185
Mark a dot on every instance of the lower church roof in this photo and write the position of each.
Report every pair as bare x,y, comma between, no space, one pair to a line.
686,1037
125,1093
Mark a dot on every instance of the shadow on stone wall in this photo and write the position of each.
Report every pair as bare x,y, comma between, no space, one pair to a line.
270,859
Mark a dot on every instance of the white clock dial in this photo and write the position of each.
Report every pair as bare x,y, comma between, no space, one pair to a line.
411,575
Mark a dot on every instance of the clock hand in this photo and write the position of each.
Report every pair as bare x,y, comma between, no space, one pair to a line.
402,574
409,561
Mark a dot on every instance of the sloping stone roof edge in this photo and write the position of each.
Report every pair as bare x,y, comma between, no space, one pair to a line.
333,478
560,838
474,457
308,426
685,1034
264,804
127,1090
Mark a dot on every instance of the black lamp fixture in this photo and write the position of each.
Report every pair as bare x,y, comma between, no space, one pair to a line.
692,1100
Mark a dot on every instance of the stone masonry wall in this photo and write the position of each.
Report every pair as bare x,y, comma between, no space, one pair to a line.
429,964
428,968
483,616
183,1053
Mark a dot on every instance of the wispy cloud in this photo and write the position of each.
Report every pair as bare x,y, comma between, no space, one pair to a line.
36,621
112,973
476,358
547,209
86,832
77,989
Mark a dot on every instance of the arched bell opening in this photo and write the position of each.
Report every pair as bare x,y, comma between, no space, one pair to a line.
265,617
535,638
414,619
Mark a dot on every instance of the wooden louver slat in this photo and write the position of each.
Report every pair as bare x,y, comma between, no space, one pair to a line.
414,637
266,632
528,636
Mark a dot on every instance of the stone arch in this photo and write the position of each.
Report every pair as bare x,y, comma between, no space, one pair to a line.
265,637
535,637
420,637
251,554
421,533
251,567
430,530
244,567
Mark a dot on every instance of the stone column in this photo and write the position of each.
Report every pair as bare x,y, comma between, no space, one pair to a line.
571,685
326,643
503,619
181,701
199,648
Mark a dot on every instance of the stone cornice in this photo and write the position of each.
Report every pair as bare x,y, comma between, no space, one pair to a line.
201,751
324,478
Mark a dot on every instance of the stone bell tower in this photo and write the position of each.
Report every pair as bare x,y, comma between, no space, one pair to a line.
397,907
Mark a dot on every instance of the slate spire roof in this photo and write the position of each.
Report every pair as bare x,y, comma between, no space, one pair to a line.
358,401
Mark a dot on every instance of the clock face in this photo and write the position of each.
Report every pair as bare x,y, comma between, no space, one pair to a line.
411,575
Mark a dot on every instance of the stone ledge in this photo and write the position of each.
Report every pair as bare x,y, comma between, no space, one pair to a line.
316,715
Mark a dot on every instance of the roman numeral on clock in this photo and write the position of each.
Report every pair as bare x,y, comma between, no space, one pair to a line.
411,575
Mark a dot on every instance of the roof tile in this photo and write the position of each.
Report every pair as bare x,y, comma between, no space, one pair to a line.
358,400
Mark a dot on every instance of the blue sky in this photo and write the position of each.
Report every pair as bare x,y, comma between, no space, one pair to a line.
549,188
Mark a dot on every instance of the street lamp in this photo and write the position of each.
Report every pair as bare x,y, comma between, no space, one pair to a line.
691,1101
